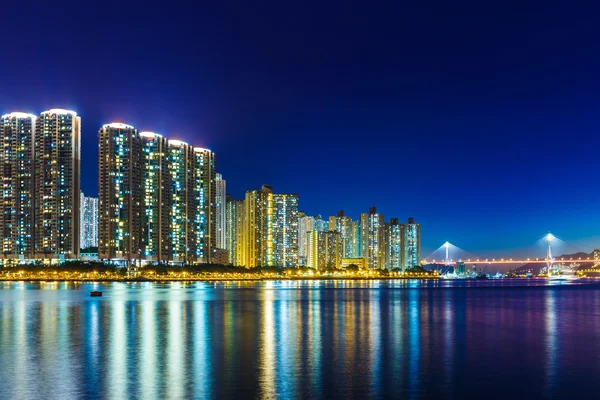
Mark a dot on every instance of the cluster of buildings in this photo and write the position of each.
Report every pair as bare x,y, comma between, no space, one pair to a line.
161,200
266,229
39,208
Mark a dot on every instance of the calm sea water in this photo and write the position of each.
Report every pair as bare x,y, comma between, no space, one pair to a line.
332,339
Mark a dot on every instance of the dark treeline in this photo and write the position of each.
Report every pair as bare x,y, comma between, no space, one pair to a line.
191,269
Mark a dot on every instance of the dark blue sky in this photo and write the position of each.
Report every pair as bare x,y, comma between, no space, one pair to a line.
480,120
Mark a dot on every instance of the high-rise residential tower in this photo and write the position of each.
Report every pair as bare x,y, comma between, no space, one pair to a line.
306,225
155,199
372,238
17,132
411,244
343,224
119,192
57,184
324,249
236,242
88,230
271,228
394,243
181,185
285,226
220,211
203,237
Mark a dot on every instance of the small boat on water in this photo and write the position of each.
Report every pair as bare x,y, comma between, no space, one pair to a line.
95,293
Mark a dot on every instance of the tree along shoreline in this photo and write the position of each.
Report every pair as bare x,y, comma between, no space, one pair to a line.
101,272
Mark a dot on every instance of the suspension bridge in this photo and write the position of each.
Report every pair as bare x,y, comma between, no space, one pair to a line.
449,255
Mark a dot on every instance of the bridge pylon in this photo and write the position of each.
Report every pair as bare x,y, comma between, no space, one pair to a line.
447,246
549,260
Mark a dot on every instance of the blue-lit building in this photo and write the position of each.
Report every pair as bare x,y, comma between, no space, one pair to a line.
17,132
88,222
411,246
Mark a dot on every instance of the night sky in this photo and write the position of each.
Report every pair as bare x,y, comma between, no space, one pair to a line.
480,120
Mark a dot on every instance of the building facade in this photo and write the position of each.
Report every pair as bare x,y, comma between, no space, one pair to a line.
155,200
271,228
372,238
220,211
119,192
344,225
411,244
306,225
88,222
203,211
395,234
236,242
325,250
180,158
57,150
17,132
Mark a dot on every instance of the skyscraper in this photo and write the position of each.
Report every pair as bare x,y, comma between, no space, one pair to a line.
57,181
356,239
343,224
372,238
394,243
156,199
285,226
17,131
324,249
236,242
202,211
271,228
119,192
181,173
88,222
220,212
412,244
306,225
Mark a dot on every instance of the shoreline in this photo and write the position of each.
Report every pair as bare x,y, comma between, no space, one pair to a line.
266,279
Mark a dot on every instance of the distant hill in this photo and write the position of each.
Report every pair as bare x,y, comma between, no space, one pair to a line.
535,268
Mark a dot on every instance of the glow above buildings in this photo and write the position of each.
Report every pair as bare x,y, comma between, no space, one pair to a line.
175,142
150,134
117,125
18,114
59,111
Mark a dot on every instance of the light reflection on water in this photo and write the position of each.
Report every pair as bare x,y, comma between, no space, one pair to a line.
316,339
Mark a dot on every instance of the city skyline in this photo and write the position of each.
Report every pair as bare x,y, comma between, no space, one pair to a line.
429,248
161,201
471,116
